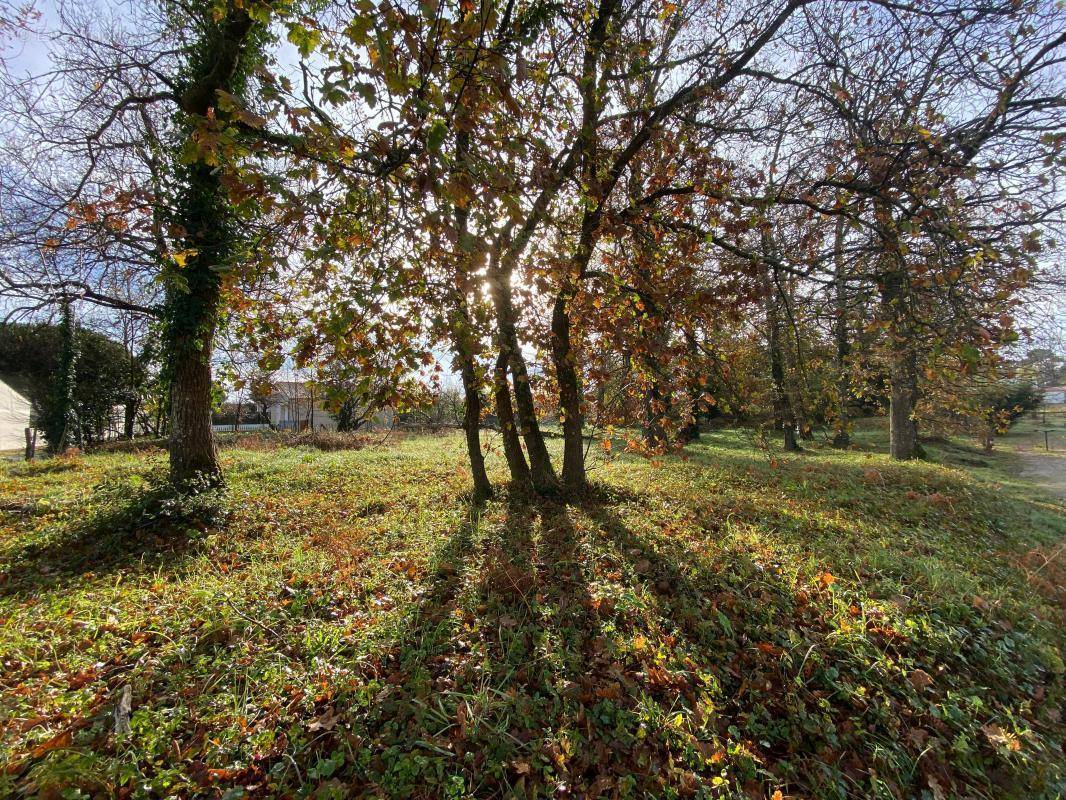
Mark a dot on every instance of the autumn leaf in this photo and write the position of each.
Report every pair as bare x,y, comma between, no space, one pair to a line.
919,679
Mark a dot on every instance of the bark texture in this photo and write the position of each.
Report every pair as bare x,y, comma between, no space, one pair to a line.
902,343
841,435
574,476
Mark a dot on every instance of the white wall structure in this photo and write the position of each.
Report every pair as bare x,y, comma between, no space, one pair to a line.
294,405
14,418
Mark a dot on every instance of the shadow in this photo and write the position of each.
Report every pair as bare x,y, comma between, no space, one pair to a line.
560,648
505,624
617,645
139,521
829,481
756,662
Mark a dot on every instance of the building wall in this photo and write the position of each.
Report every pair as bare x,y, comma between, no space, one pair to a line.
14,418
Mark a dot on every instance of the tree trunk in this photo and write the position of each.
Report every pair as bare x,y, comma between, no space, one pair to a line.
464,338
60,422
690,431
192,311
784,417
191,315
902,357
903,427
540,467
193,457
841,435
204,215
472,427
657,402
655,406
512,447
574,476
129,421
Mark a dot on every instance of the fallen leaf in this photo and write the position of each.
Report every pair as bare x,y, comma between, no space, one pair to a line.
920,679
325,722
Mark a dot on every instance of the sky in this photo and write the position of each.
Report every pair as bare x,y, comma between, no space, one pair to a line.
28,54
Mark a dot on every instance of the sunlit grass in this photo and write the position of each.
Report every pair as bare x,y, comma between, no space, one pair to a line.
726,622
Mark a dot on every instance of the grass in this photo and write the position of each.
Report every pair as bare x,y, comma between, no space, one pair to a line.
722,624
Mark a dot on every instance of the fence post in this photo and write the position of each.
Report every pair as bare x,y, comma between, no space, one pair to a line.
31,443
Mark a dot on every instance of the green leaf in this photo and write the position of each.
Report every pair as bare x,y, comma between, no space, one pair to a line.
305,39
435,137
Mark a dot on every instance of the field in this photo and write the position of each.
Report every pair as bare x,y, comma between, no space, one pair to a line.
722,624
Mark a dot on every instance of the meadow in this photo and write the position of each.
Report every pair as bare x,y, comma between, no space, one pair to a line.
722,623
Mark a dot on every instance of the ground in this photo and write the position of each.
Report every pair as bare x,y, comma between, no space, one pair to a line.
1043,459
725,623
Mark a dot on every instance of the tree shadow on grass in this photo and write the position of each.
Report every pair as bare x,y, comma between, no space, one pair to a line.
578,651
486,651
140,522
488,688
523,678
858,490
761,656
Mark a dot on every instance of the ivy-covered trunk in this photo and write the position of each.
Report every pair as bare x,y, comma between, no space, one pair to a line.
218,62
192,310
59,420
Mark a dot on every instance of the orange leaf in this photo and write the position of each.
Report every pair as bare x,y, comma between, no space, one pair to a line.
61,739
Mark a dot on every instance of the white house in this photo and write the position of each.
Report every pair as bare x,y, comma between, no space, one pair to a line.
14,418
300,406
294,405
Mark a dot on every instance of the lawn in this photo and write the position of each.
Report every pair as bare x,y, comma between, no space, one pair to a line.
722,624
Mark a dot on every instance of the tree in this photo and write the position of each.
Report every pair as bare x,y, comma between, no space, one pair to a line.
58,417
143,161
947,195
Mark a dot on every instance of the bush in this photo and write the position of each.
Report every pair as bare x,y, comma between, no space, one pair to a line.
143,445
320,440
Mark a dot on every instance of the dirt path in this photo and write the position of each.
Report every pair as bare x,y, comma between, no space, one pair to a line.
1046,468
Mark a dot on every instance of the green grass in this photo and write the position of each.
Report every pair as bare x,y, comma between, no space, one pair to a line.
722,624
